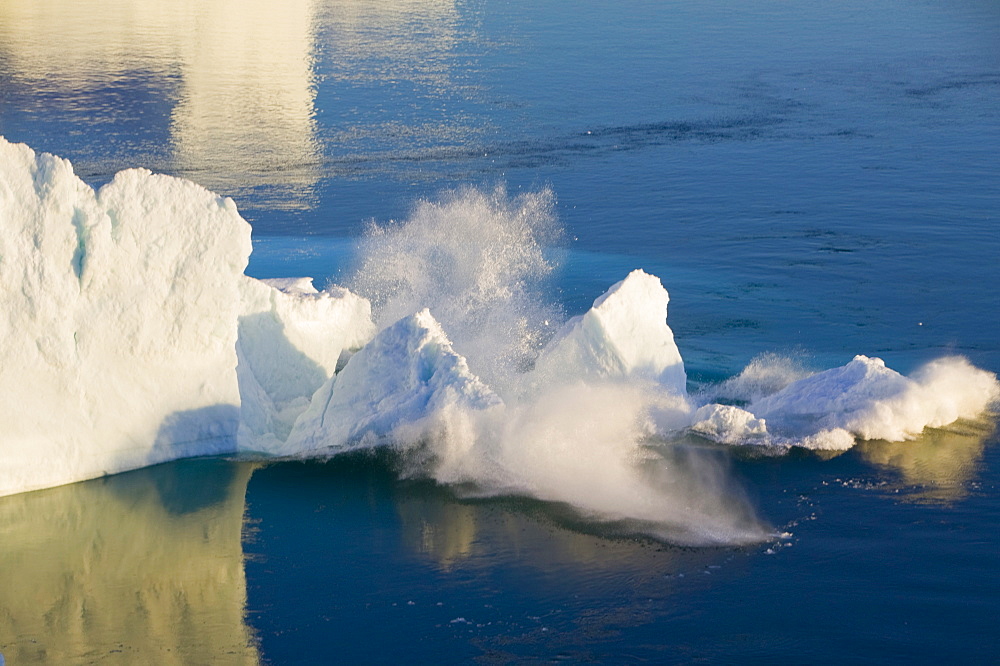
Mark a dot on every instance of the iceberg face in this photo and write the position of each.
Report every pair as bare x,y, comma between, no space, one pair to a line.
407,373
624,336
118,331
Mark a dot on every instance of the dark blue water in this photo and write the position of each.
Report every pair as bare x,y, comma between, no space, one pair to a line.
815,180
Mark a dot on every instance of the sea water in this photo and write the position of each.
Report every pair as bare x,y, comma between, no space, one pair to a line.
809,182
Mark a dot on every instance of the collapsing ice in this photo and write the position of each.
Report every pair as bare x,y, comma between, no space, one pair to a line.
131,336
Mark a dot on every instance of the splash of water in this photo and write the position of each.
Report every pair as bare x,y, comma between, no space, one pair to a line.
476,259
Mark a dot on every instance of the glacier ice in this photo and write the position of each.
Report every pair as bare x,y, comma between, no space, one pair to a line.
870,401
291,338
131,336
118,331
623,336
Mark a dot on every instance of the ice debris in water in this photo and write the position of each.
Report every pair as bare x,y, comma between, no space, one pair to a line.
131,336
865,399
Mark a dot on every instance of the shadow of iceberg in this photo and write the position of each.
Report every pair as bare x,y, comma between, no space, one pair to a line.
206,431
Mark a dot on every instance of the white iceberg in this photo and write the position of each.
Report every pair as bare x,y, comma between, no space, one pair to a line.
291,338
130,336
407,373
870,401
118,328
624,336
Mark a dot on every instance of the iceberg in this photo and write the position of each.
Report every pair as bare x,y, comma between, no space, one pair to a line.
867,400
290,340
623,336
131,336
118,329
408,373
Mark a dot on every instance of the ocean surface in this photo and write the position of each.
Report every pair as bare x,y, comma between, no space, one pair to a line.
809,180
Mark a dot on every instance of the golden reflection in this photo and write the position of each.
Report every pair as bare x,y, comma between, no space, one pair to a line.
941,461
411,50
142,567
442,531
241,72
245,116
392,40
452,533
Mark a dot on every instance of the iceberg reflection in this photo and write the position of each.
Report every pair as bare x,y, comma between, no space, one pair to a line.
142,567
231,82
940,463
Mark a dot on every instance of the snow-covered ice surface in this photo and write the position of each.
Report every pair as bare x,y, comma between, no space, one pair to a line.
131,336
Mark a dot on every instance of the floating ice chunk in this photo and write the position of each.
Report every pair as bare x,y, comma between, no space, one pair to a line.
291,338
623,336
869,400
835,439
407,373
727,424
118,330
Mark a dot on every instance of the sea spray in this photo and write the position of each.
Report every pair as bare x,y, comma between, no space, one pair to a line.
590,446
577,428
476,258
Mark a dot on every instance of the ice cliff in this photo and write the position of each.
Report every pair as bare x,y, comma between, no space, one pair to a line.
118,321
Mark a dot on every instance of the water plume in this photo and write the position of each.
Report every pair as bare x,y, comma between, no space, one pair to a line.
474,264
592,446
476,258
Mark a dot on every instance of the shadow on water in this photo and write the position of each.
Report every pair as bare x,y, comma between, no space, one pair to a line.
183,487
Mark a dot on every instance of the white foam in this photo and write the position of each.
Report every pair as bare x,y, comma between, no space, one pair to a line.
766,374
587,444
